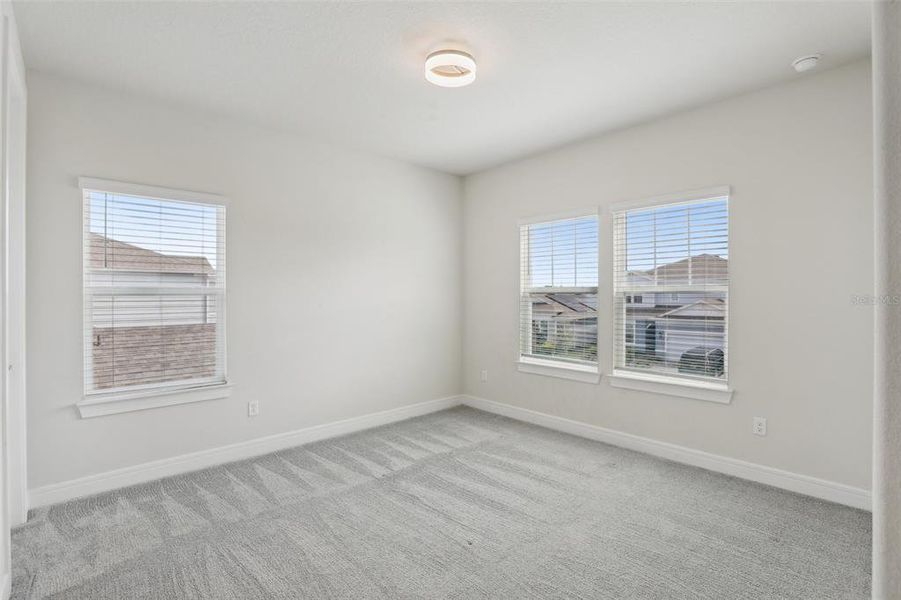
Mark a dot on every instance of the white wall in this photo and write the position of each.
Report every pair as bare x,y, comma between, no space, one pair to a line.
344,277
350,267
799,160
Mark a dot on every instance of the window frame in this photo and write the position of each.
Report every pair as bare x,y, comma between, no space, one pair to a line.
684,386
96,403
586,372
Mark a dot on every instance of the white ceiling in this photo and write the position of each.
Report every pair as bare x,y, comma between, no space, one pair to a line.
351,73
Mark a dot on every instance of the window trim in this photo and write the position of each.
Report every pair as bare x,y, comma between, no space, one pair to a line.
111,403
97,403
670,386
685,387
156,192
673,199
585,211
557,368
587,372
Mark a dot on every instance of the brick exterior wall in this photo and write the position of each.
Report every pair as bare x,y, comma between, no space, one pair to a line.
124,356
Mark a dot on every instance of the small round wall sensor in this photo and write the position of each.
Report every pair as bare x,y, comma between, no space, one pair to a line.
806,63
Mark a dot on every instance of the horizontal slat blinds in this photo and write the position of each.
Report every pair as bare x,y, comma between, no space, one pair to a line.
154,286
671,285
559,290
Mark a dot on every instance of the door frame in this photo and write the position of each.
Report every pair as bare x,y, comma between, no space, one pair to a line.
15,119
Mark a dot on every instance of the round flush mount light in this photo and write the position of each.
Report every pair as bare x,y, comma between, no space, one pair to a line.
806,63
450,68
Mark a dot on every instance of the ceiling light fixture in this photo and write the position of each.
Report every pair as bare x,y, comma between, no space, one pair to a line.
806,63
450,68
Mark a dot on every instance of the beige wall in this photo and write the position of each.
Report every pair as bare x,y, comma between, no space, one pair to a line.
344,277
799,160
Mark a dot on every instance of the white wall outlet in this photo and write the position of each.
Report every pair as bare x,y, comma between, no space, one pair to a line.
253,408
483,375
759,427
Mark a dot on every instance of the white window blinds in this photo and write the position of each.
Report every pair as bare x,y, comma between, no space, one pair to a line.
154,292
559,290
671,284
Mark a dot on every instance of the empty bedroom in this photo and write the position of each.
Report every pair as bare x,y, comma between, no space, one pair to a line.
471,300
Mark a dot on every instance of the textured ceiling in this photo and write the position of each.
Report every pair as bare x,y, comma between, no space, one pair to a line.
351,73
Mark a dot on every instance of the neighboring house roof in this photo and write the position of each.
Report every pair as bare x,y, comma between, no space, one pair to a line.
701,268
570,302
112,254
641,276
563,306
707,308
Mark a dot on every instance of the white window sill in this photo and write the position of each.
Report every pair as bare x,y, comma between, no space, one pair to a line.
99,405
671,386
550,368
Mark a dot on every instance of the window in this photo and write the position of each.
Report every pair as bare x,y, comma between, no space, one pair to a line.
676,256
154,289
559,291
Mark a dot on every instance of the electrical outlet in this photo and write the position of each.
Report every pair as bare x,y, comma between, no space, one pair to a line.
253,408
759,427
484,375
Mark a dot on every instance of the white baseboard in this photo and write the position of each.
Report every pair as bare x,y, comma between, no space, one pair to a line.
111,480
104,482
802,484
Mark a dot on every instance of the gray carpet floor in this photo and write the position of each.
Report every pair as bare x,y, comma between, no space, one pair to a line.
457,504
